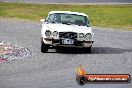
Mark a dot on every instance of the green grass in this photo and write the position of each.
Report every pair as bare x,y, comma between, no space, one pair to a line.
119,16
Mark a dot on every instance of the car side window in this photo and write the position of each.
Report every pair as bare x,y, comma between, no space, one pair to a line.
51,18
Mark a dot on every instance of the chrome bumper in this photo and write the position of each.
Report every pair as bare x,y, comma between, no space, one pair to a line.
58,43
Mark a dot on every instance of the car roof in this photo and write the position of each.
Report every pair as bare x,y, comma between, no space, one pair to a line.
69,12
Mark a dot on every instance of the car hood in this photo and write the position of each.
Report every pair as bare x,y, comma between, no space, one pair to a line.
68,28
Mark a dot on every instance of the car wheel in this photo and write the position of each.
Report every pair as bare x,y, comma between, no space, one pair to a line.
57,50
44,47
88,50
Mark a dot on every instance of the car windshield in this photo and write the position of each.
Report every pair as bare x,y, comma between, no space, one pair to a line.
68,19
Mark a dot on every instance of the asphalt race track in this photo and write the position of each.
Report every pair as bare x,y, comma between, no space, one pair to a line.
112,54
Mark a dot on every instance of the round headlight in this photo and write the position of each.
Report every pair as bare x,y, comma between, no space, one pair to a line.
81,35
88,36
47,33
55,33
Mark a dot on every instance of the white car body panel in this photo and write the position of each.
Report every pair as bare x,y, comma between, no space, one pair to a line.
66,28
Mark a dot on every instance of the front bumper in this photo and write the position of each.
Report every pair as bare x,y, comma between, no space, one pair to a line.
58,42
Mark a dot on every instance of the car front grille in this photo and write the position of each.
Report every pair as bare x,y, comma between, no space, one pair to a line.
70,35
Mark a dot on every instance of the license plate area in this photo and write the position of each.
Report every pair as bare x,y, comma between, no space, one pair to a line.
68,41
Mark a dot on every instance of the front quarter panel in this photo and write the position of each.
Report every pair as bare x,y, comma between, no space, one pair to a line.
43,29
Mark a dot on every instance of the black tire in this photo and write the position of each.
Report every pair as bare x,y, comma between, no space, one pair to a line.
44,47
57,50
88,50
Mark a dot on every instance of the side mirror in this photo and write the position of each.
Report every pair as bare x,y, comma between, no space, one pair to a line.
42,20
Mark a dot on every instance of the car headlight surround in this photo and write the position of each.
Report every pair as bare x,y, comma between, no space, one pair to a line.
55,33
81,35
47,33
88,36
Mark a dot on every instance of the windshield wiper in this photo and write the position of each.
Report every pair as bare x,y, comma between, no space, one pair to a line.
52,22
66,23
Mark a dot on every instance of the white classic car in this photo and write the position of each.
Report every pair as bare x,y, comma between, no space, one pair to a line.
66,29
